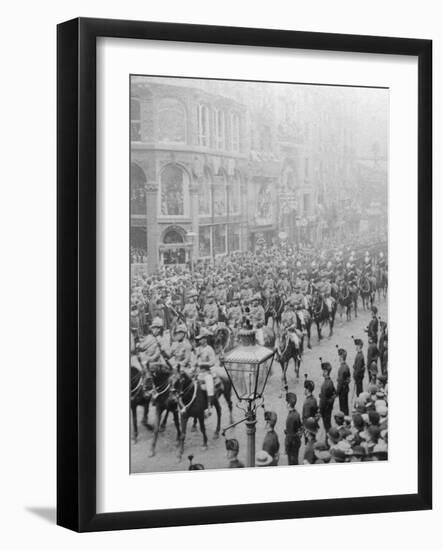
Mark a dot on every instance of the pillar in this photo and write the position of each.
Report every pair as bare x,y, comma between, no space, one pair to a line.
152,230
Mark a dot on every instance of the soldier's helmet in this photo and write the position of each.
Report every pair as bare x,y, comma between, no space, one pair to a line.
311,425
271,418
157,323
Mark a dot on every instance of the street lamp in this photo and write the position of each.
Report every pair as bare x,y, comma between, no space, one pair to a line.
248,367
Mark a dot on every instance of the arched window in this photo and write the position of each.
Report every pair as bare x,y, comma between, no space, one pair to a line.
220,195
138,182
173,236
203,125
234,194
235,132
171,122
173,185
135,119
220,129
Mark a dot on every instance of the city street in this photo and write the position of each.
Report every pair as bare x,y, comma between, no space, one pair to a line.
215,457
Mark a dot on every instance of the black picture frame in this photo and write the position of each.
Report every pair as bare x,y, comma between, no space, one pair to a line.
76,279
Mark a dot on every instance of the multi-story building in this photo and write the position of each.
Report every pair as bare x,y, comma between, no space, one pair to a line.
216,165
188,179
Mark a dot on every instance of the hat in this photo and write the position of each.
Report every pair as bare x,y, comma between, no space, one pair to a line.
374,417
358,451
157,323
374,310
382,410
326,366
358,342
204,333
311,425
291,398
256,296
334,434
262,458
321,452
342,353
340,414
271,417
232,445
181,328
309,385
373,432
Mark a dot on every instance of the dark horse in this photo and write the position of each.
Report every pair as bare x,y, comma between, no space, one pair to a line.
322,314
381,282
365,291
222,387
273,306
345,300
191,399
289,347
139,396
163,399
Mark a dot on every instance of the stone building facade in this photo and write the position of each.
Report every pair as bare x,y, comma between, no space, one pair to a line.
188,173
218,165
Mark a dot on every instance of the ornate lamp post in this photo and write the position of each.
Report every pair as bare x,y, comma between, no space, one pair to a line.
248,367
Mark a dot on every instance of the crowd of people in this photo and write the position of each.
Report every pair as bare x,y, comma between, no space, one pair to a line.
174,312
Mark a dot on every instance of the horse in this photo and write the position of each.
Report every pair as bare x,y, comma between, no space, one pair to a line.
139,396
163,399
289,347
322,313
304,321
365,291
344,300
222,387
381,282
191,400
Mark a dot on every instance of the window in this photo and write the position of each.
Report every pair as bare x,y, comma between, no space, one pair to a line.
205,195
219,239
220,199
220,129
235,132
234,237
138,182
135,120
171,124
173,236
204,241
234,195
172,195
203,125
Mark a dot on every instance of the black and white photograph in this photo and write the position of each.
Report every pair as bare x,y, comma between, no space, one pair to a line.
259,274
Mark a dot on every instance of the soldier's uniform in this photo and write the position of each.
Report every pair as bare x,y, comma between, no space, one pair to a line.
235,315
373,328
372,355
292,431
288,318
271,443
359,370
190,313
181,351
221,294
257,316
210,313
326,397
343,380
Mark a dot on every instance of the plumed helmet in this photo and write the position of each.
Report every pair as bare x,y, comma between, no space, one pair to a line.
309,385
